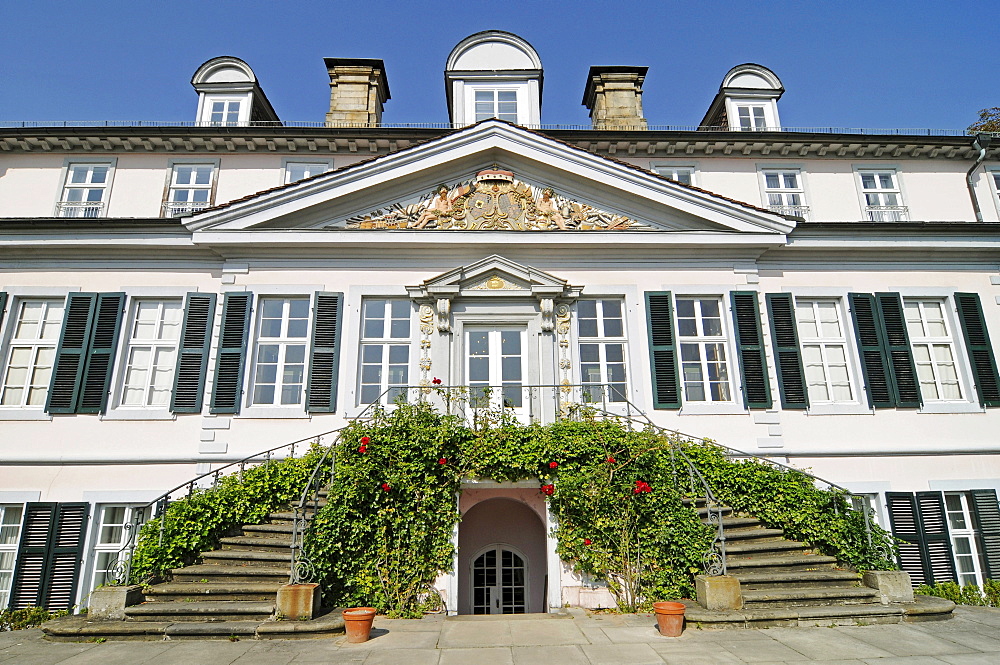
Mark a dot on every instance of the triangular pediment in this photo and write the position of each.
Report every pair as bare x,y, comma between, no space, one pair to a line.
495,177
490,277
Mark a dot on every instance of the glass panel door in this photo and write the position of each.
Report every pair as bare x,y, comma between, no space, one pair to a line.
494,368
498,582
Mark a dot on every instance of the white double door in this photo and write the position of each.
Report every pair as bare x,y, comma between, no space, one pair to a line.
494,367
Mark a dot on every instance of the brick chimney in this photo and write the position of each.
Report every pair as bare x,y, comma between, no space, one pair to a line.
358,89
614,97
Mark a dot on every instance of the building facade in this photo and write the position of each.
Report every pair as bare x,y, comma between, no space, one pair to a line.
175,298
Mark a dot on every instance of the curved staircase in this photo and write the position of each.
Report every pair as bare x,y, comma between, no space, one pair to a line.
788,583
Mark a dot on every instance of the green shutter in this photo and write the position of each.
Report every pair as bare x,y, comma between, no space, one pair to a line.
71,353
321,392
787,355
919,520
874,363
96,380
662,350
750,348
906,388
49,556
977,343
228,389
192,353
984,505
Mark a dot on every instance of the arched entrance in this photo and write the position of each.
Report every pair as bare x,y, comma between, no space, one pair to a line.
501,559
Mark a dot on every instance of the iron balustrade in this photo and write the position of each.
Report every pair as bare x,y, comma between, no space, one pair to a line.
794,211
79,208
887,213
177,208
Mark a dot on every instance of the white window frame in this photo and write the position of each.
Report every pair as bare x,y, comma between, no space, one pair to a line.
521,90
327,165
206,103
701,340
671,171
9,548
994,184
602,340
782,199
883,211
130,343
970,534
931,341
173,208
283,341
824,343
385,341
34,344
85,208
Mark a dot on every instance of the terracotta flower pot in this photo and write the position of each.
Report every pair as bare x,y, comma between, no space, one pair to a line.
358,623
669,618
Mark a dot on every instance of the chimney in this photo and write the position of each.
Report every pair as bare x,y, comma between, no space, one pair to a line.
614,97
358,89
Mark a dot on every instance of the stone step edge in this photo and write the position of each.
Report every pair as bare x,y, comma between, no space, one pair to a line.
205,607
76,628
807,592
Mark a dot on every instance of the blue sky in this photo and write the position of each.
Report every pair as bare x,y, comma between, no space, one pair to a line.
869,64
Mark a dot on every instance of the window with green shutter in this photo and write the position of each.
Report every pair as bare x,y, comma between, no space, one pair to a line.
886,354
227,391
662,350
987,512
787,355
192,353
49,555
101,353
977,342
324,352
919,520
750,349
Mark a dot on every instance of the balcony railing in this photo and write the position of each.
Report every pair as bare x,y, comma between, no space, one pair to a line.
794,211
887,213
178,208
79,208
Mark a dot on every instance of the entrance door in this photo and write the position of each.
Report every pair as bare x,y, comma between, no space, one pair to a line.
493,368
498,582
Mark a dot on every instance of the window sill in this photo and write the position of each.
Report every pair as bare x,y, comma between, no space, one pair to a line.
139,414
853,409
275,412
951,407
713,409
24,414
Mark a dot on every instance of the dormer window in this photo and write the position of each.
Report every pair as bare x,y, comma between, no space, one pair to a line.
229,96
747,101
751,118
224,112
500,104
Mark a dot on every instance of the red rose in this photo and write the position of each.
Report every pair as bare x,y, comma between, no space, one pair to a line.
436,381
586,541
443,460
362,448
365,440
386,487
553,465
611,460
548,490
641,487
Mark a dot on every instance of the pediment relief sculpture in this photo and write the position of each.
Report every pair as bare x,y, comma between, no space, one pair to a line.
493,201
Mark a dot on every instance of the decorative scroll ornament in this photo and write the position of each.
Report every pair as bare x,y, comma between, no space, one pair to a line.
443,315
562,319
497,283
426,315
546,306
493,201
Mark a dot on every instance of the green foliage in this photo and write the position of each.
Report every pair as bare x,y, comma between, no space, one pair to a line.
195,524
988,121
968,594
29,617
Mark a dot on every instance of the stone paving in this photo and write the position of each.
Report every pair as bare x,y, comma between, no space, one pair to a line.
972,637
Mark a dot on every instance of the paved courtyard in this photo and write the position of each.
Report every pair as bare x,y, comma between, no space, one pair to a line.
971,638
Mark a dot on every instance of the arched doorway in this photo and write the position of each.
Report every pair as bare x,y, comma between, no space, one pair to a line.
501,559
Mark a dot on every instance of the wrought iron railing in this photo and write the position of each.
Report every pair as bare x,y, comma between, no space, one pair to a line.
887,213
794,211
177,208
79,208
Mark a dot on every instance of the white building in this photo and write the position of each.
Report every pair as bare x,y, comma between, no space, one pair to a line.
177,297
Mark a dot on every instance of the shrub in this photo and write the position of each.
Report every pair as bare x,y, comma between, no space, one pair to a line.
968,594
29,617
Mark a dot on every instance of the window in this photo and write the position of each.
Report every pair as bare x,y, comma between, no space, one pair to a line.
883,200
190,189
112,541
968,559
151,353
279,365
85,192
385,349
824,351
500,104
31,353
933,350
784,192
702,336
224,112
601,333
751,118
295,171
681,174
10,535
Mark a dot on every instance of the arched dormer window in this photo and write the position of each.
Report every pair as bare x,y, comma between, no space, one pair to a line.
494,74
747,101
229,95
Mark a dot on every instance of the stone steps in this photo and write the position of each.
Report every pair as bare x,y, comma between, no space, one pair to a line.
246,558
206,611
752,581
256,544
195,591
229,574
800,596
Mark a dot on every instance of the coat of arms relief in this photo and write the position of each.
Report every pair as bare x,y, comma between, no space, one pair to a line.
493,201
